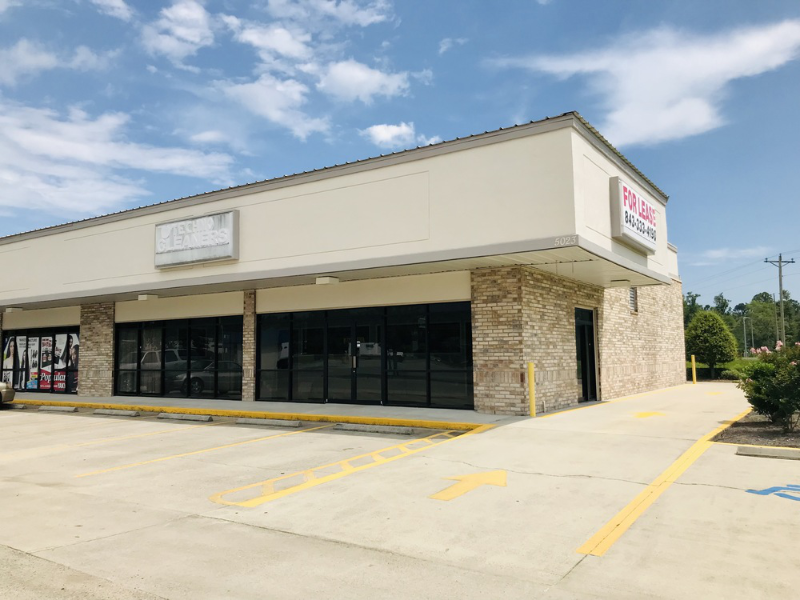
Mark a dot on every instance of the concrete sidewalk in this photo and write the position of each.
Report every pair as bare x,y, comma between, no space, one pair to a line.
432,418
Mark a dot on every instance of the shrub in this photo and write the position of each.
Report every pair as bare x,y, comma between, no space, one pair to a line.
710,340
772,385
730,375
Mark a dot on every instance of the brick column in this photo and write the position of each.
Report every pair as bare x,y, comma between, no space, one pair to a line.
249,347
520,314
497,341
96,366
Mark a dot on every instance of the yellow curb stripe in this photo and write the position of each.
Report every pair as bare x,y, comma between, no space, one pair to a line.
173,456
214,412
601,541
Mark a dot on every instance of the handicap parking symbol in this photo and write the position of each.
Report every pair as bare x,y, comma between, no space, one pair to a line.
790,492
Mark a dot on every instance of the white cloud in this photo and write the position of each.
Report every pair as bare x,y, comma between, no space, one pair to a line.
278,101
666,84
114,8
271,40
77,164
26,59
397,136
350,80
449,43
211,136
6,4
718,255
345,12
179,32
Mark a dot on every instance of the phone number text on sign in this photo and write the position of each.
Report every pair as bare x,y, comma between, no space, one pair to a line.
639,225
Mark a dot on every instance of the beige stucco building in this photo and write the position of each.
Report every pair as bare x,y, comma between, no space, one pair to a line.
429,277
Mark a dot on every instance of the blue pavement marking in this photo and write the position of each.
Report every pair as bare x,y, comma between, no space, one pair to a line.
781,492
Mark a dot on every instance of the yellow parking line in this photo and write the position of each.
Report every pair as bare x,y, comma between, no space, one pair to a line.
163,458
314,476
601,541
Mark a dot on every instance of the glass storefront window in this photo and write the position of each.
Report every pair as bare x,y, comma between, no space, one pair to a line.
42,360
419,355
199,358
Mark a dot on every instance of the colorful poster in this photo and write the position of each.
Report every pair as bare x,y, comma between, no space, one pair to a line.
32,382
22,353
46,363
10,354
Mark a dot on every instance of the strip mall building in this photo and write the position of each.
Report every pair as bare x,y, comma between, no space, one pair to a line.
429,277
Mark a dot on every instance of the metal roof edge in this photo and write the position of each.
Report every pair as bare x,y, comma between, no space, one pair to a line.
572,118
603,144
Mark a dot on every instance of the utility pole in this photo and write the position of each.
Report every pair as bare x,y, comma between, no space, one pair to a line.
775,312
779,263
744,326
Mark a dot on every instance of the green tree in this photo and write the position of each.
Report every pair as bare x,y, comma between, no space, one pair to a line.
763,323
710,340
690,307
722,305
763,297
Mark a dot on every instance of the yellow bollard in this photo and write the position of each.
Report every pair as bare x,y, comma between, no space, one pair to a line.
531,389
694,371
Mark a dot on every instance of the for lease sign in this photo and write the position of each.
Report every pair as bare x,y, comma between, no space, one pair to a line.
634,217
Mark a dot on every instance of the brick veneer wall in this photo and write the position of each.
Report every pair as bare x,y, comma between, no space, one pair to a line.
644,350
96,366
249,350
520,314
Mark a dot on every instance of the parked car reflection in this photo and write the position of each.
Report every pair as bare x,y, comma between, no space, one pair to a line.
201,378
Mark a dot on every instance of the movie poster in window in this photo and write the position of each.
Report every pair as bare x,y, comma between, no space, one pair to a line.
10,355
32,382
10,359
60,357
22,353
46,363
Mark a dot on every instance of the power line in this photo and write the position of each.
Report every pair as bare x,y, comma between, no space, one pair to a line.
706,285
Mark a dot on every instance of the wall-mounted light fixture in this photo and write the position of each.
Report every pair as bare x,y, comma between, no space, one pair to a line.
327,280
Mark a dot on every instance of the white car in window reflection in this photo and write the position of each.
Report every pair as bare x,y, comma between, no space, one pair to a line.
201,378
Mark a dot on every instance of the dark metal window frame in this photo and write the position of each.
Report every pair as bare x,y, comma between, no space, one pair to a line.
140,326
384,379
43,332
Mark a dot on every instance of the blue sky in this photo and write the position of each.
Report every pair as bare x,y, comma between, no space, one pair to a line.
109,104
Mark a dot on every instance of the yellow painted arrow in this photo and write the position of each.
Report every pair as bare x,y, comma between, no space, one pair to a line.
467,483
645,415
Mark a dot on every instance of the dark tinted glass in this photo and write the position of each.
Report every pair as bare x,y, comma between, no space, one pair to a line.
229,341
307,385
127,347
308,341
451,389
274,385
274,341
450,336
202,338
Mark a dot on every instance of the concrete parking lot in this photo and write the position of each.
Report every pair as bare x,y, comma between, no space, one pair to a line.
624,499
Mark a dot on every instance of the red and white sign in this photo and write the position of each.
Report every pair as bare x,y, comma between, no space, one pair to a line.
634,218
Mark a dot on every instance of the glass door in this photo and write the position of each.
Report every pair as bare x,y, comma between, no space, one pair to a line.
355,357
368,353
584,339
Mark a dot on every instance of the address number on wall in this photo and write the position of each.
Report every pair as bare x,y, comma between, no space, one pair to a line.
567,240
